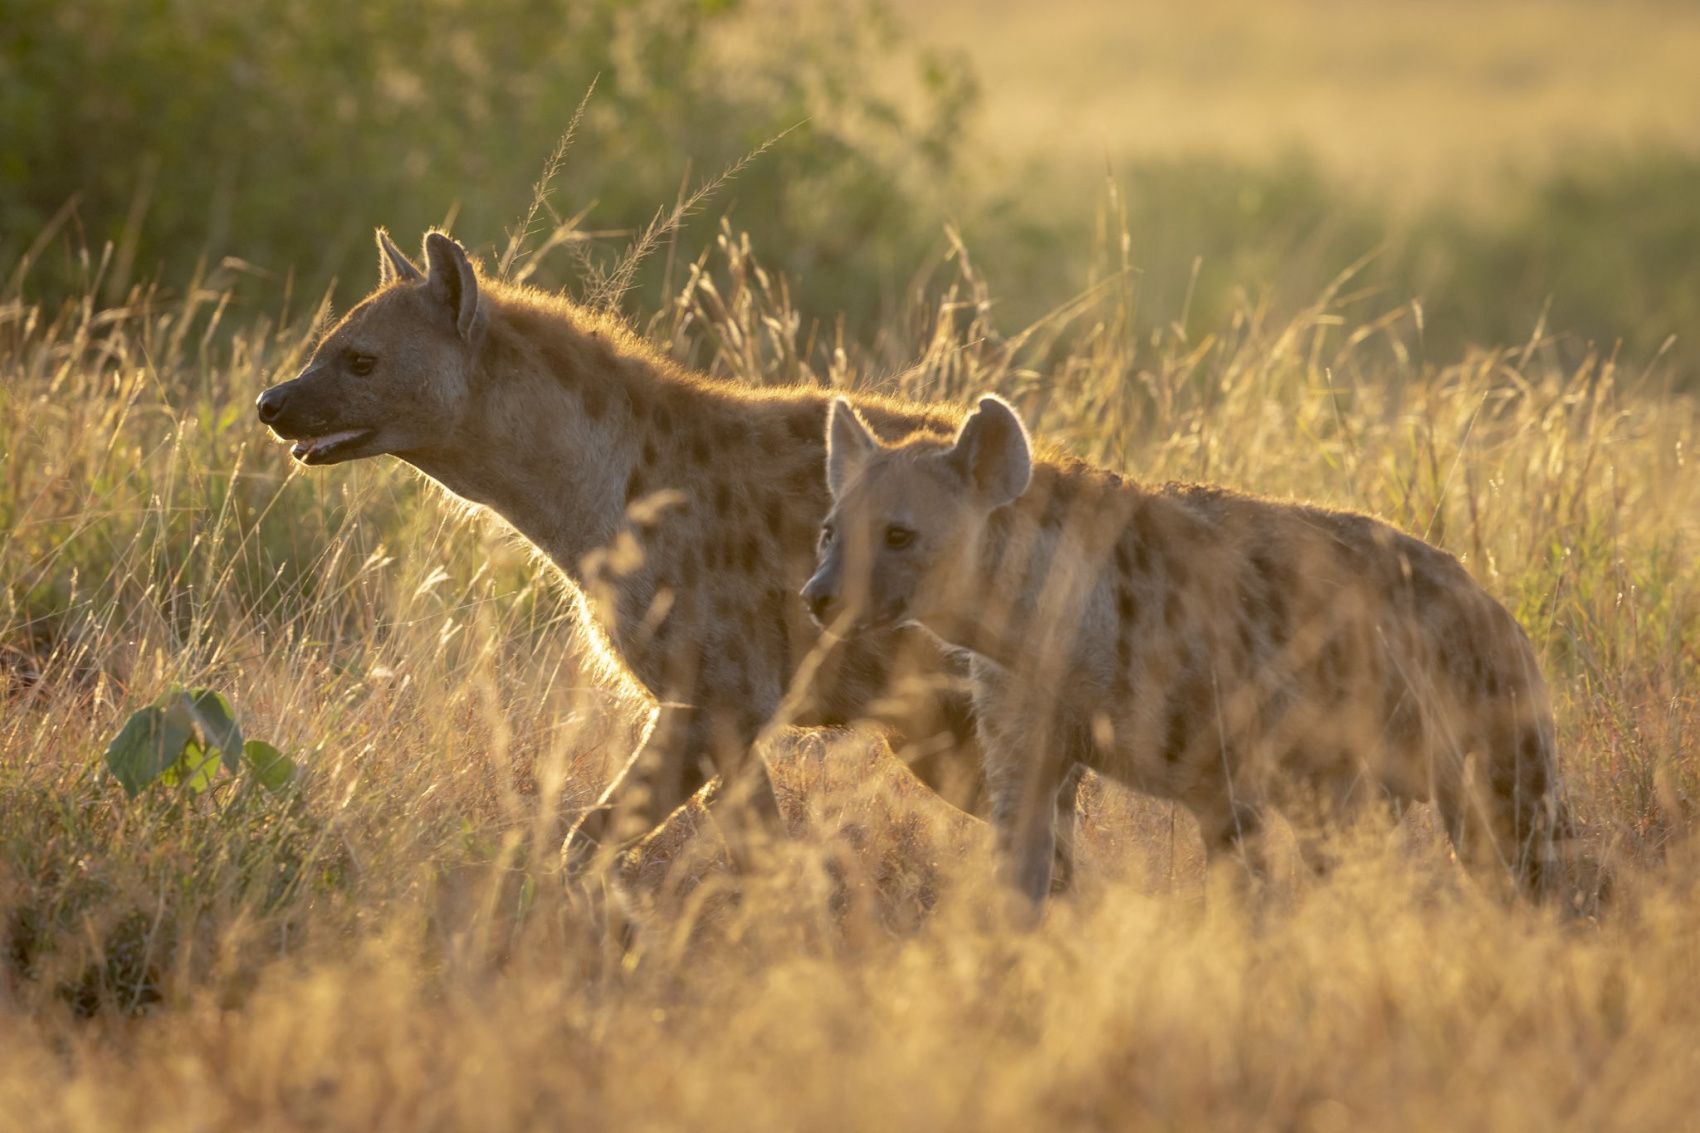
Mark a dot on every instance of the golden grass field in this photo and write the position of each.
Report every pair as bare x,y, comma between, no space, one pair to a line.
389,944
1413,103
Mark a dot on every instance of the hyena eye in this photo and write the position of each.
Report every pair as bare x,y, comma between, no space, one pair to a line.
361,363
898,537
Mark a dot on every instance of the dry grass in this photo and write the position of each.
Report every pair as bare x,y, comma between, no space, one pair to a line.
390,946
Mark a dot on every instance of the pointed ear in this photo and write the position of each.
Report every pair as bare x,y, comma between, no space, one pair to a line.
392,265
848,444
451,280
993,453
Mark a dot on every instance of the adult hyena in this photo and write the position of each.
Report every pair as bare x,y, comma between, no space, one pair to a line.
682,511
1223,651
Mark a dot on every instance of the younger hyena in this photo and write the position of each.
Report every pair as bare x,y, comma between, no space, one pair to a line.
1200,645
682,511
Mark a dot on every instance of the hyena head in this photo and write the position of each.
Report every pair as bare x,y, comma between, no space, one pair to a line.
395,375
902,541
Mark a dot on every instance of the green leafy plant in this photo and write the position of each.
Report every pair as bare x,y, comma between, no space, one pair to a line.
183,738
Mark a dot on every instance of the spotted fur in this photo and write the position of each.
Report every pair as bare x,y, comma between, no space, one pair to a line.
681,511
1224,651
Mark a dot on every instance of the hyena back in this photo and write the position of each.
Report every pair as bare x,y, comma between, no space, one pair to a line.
682,511
1227,652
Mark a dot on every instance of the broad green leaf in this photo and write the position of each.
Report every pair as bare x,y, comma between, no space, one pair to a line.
150,741
216,722
195,768
270,766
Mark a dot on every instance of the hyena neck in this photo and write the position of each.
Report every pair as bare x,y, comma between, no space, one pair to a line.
989,608
1040,563
549,441
546,481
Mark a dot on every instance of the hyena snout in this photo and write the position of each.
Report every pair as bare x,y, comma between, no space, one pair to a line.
309,410
836,597
821,597
271,403
298,405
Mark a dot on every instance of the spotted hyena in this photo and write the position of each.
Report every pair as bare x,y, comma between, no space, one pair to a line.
680,510
1197,644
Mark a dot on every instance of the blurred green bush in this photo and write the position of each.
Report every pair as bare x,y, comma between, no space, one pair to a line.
1607,249
282,131
1601,256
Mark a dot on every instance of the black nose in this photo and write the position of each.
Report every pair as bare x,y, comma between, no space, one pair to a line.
270,404
819,603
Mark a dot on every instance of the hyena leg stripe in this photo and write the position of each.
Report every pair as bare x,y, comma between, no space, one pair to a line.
1065,829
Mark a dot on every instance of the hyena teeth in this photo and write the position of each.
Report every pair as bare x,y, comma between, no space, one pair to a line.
307,446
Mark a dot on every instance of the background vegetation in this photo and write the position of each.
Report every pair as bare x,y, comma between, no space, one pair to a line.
386,944
282,132
1502,162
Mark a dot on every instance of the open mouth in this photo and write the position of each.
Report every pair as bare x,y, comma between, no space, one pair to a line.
882,620
329,448
864,622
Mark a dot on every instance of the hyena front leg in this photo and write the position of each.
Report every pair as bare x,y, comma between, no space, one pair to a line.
681,750
957,774
1066,824
1034,812
1031,782
1026,804
1035,753
642,791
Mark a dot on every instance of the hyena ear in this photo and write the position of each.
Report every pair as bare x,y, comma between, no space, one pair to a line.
451,280
993,453
392,265
848,444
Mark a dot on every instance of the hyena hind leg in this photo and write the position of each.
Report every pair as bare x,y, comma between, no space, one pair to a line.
644,790
939,742
1510,839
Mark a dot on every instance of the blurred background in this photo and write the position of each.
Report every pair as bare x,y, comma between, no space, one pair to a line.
1523,169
